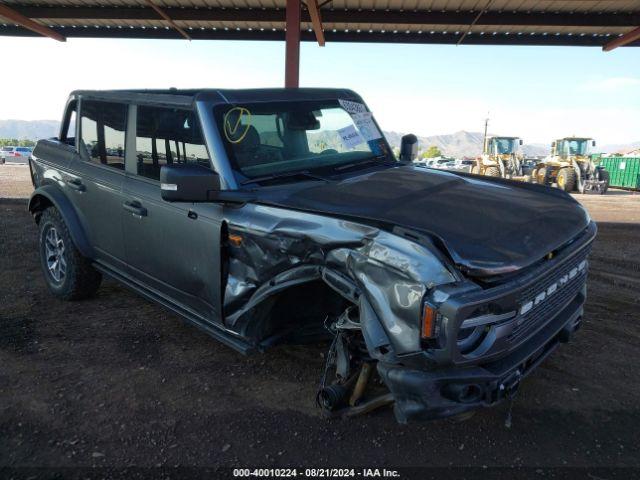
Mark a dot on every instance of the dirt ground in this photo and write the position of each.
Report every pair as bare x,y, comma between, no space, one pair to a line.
15,180
117,381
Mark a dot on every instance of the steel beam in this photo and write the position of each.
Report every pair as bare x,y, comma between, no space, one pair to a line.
449,38
29,24
292,39
167,19
625,39
474,22
316,20
493,18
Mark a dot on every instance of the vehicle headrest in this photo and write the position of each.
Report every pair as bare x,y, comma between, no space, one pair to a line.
251,139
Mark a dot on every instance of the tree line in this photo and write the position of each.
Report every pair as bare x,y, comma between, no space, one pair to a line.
431,152
14,142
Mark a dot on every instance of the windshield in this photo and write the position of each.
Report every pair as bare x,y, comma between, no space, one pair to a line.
275,138
503,146
576,146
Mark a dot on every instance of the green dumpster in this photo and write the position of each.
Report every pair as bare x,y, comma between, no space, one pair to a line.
624,172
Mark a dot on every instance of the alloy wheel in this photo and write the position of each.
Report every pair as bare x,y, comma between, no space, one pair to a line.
55,255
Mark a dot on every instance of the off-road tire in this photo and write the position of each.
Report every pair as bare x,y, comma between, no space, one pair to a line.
566,179
476,170
80,280
492,172
542,176
604,175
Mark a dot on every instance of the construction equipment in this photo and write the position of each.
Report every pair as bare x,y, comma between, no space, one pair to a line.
500,158
571,168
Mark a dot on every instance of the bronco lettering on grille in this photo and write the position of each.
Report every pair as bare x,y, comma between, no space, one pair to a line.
553,288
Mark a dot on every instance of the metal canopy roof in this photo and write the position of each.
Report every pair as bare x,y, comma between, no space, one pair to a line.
492,22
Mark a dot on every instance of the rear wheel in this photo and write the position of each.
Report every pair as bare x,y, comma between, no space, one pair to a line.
67,273
542,176
492,172
604,176
566,179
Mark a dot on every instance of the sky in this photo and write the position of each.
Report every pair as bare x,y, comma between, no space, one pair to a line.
537,93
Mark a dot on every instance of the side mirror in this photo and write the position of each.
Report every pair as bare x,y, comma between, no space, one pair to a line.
593,143
188,183
553,144
520,141
409,148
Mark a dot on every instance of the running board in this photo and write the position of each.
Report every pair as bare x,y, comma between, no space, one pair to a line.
216,332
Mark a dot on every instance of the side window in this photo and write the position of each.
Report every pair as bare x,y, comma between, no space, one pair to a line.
165,136
103,126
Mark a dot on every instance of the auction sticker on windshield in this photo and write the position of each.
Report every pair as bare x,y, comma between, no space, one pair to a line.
366,126
352,107
350,137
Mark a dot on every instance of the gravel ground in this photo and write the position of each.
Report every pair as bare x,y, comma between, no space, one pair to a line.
116,381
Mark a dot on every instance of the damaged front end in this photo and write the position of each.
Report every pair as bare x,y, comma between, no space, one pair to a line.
405,326
293,276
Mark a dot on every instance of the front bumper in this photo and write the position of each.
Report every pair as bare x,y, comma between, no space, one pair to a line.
447,391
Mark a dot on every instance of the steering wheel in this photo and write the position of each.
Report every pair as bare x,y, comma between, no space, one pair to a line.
329,151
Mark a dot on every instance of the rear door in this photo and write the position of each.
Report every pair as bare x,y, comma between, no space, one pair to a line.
170,246
97,175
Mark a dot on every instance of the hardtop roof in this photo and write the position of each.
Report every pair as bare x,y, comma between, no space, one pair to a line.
187,97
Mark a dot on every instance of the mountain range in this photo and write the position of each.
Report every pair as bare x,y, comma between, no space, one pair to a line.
29,129
459,144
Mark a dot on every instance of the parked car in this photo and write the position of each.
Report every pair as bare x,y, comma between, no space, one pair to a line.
462,165
15,154
281,215
528,165
438,162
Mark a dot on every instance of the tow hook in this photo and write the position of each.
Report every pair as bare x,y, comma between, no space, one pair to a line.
509,389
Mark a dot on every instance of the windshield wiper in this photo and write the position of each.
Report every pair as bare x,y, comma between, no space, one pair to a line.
362,163
278,176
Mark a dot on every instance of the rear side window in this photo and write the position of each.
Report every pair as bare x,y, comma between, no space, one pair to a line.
165,136
23,149
103,126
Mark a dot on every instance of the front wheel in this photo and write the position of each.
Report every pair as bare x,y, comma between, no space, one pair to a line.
67,273
566,179
492,172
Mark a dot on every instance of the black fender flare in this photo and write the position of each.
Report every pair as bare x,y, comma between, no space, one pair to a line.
51,194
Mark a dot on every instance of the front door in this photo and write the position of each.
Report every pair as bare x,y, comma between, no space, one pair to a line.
170,247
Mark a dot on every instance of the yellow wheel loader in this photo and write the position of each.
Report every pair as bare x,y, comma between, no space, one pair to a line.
500,158
571,168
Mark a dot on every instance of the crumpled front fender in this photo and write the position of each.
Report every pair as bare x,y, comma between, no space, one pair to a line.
392,274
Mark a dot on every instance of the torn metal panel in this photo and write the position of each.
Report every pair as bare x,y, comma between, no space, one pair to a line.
282,248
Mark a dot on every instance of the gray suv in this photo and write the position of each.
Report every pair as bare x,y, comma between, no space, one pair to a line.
282,216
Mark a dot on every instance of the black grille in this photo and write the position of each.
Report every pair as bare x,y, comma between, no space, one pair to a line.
540,314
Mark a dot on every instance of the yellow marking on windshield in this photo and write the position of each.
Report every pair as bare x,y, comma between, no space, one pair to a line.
231,131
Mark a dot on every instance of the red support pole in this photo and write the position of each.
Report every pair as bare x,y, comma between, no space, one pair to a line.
292,38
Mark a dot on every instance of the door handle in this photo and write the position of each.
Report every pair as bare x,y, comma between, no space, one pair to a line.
76,185
135,208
